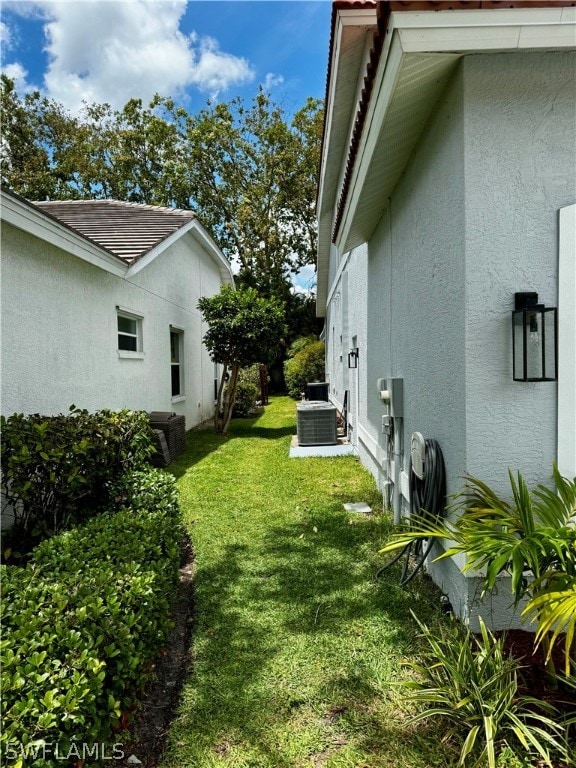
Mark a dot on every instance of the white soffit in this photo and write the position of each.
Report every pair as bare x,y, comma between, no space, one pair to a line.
423,50
354,30
353,35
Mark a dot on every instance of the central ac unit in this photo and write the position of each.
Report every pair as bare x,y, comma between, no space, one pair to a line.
316,423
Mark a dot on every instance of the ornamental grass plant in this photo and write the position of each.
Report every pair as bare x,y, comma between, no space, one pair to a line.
468,682
530,537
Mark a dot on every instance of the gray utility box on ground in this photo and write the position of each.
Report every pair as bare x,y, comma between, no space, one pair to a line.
317,390
316,423
173,428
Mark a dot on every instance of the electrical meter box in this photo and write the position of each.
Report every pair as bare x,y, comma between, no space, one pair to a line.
392,392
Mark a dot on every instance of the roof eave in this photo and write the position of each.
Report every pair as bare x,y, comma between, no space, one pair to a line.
353,25
438,40
22,214
445,36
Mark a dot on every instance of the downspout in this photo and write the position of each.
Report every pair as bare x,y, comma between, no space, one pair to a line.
397,456
357,400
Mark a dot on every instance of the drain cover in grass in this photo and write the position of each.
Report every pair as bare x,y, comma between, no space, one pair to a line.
358,506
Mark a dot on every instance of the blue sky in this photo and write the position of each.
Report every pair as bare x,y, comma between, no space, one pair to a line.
113,50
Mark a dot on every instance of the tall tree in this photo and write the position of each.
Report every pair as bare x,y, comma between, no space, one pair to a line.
254,180
26,165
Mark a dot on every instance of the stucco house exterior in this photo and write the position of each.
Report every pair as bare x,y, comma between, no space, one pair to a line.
447,185
99,307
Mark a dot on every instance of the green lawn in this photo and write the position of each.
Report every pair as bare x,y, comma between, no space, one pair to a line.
297,650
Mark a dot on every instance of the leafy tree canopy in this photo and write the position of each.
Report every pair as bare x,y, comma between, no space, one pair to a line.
248,172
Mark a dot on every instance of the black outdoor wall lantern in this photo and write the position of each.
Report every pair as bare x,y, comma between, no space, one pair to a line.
534,339
353,358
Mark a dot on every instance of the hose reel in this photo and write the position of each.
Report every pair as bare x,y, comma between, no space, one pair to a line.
427,500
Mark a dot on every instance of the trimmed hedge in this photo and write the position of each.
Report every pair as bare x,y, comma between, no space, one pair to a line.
84,619
57,470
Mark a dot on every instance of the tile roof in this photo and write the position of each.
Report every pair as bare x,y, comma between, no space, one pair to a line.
127,230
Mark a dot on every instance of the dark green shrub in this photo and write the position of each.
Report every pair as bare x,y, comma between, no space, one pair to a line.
305,366
146,489
300,343
83,621
246,396
57,470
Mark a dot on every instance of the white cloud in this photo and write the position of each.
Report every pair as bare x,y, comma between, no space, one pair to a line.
17,73
14,70
304,281
271,80
111,51
214,70
5,36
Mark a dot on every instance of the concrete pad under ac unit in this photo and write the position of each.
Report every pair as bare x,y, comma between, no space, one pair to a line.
302,451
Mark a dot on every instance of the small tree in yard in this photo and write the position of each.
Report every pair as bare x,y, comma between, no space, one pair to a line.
243,329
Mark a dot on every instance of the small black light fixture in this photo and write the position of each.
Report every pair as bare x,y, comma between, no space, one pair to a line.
534,339
353,358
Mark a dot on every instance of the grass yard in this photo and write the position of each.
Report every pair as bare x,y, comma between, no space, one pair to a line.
297,650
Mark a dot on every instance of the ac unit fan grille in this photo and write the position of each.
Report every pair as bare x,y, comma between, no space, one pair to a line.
316,423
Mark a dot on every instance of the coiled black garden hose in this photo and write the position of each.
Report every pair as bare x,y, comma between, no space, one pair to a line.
428,501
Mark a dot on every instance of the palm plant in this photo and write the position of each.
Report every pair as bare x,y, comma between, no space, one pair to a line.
532,538
469,682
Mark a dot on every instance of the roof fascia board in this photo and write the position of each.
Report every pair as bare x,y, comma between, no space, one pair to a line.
360,85
201,236
471,30
382,94
464,18
28,218
346,19
501,30
365,17
355,17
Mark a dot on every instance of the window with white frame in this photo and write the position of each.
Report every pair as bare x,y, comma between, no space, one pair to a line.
177,361
129,333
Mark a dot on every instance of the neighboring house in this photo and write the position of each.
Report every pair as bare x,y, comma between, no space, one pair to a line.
99,307
448,184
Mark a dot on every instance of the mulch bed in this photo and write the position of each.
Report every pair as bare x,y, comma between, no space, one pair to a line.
148,726
533,680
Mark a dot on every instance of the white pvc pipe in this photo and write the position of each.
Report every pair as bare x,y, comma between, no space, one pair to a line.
397,454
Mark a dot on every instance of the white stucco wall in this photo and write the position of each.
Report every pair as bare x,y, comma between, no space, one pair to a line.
520,169
59,330
416,288
346,328
473,219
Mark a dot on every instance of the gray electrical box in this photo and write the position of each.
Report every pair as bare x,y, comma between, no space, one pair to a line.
391,391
